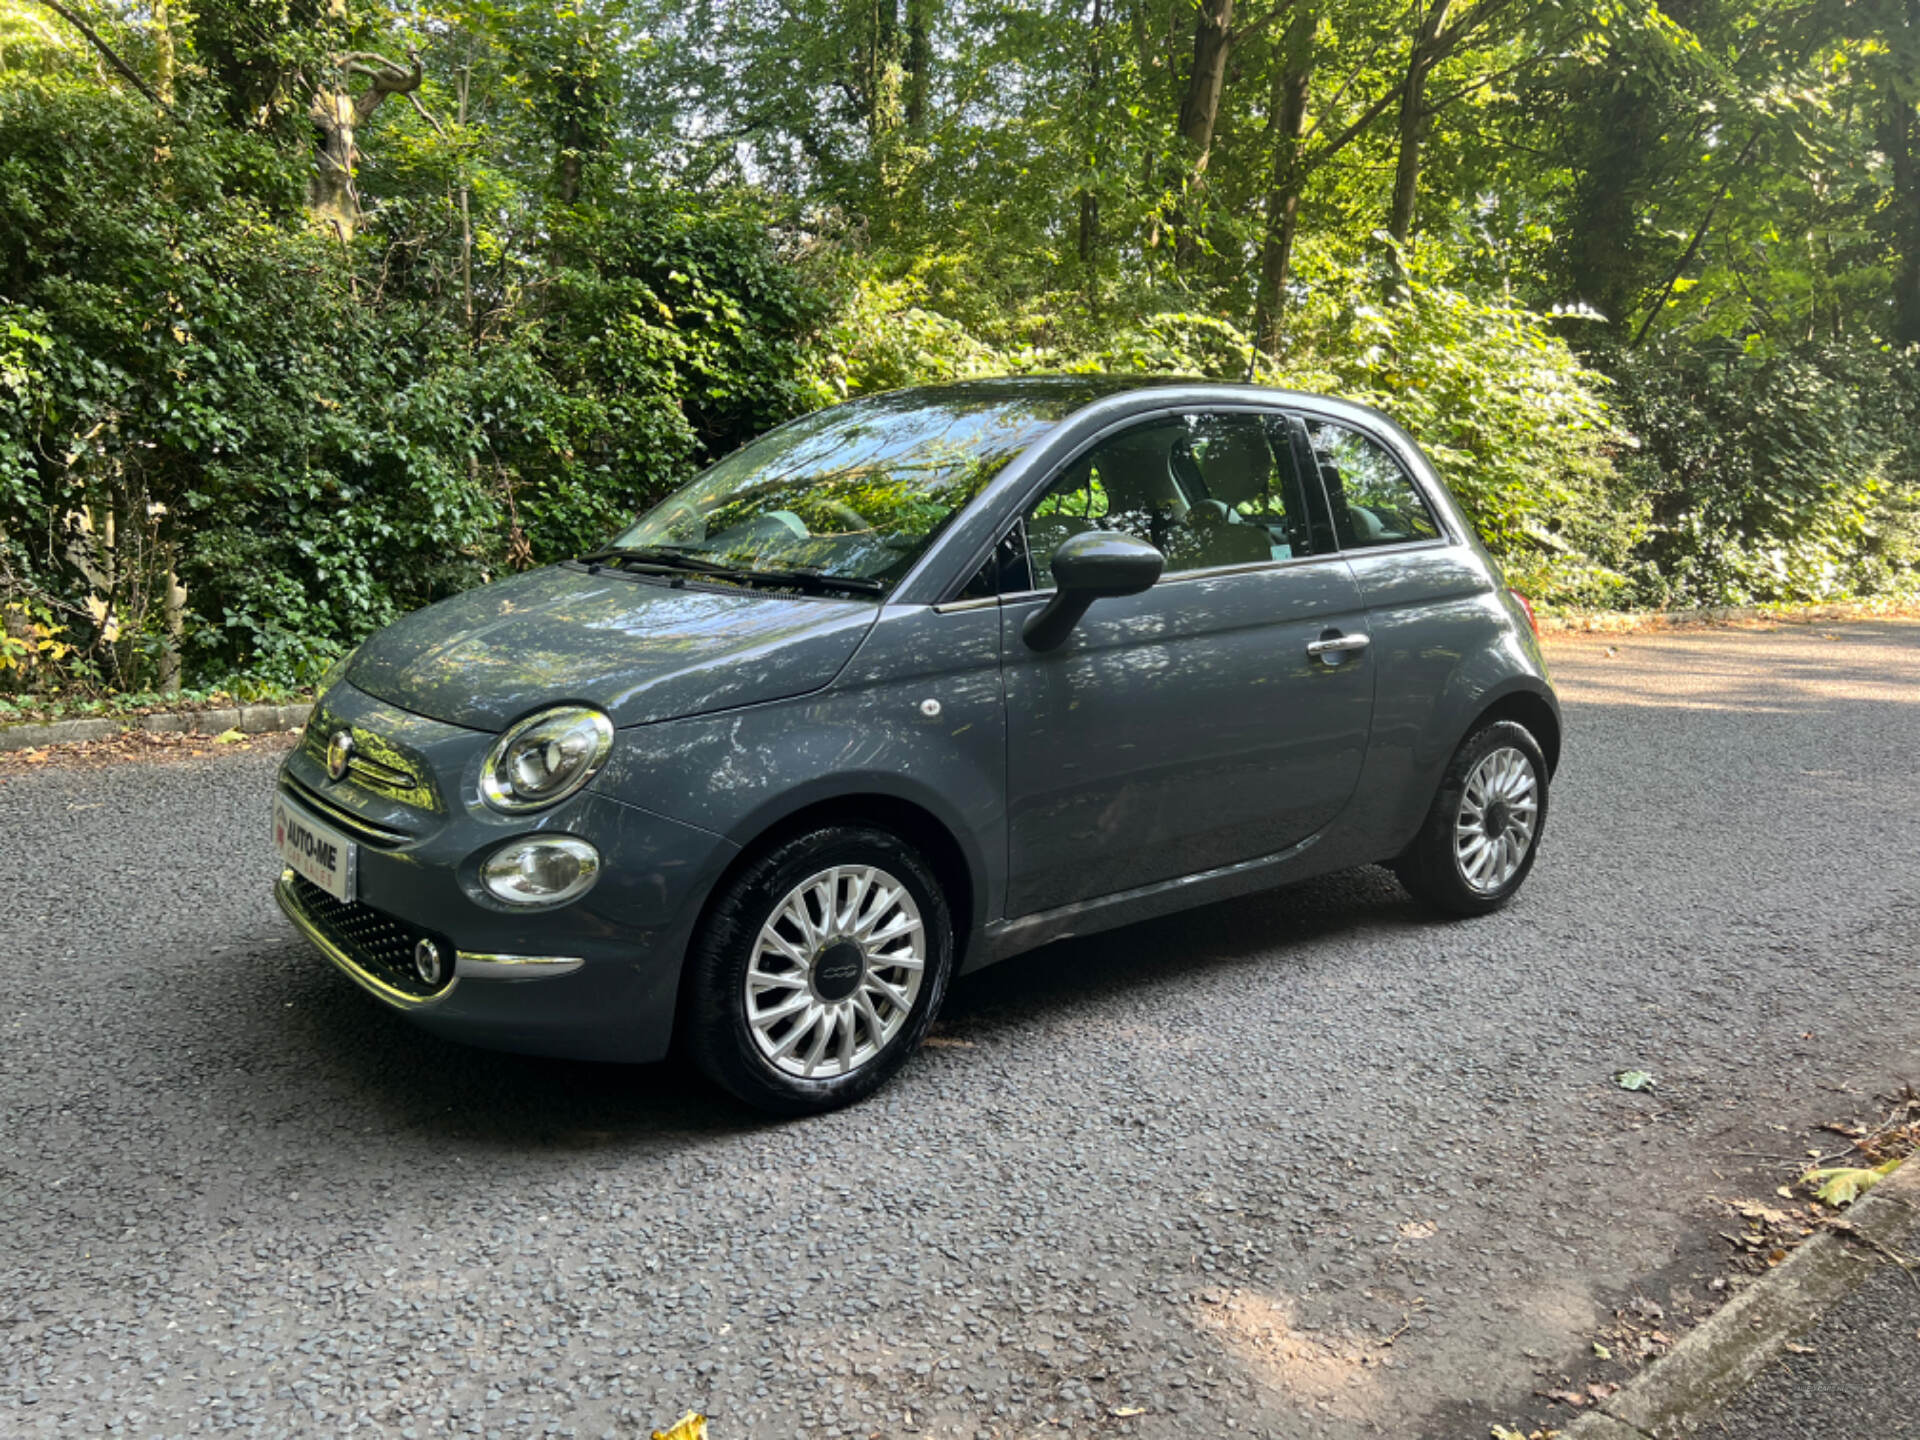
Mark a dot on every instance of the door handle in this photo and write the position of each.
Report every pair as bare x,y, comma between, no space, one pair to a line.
1336,644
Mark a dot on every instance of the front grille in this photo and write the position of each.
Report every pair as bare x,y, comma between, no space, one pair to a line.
388,776
373,940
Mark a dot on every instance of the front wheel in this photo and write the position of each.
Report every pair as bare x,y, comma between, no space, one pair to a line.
1477,845
819,969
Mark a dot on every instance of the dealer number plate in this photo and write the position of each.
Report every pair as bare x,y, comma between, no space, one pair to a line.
313,849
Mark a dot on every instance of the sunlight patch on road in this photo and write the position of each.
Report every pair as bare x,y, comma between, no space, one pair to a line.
1336,1375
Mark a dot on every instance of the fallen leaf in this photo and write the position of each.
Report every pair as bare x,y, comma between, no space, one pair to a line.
1418,1230
229,737
1801,1349
690,1426
1633,1080
1601,1352
1601,1390
1127,1412
1842,1185
1569,1397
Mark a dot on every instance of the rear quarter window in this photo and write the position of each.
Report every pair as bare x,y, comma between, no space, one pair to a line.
1374,500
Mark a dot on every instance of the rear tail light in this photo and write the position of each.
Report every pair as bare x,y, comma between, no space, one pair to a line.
1527,605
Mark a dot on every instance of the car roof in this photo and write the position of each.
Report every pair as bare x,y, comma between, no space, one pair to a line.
1057,397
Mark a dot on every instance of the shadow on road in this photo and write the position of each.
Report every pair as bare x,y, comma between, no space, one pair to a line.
386,1075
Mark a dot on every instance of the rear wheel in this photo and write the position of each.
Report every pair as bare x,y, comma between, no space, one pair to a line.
819,970
1477,845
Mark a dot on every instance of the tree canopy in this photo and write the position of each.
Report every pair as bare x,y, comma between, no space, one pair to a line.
314,310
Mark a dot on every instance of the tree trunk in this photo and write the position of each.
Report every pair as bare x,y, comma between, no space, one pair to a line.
1897,137
1287,123
337,116
1414,118
174,616
466,211
1606,251
330,195
1089,231
919,65
1199,109
883,69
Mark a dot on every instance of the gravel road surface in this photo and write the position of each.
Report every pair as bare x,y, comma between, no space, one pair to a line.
1310,1164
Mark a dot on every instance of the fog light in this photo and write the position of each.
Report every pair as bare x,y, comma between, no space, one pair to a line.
541,870
427,962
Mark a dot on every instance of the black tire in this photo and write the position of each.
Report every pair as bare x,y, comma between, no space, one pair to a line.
1431,867
718,1034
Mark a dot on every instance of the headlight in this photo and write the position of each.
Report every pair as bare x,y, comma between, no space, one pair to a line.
545,758
541,870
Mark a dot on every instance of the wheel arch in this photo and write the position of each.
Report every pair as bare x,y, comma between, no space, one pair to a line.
1531,709
919,826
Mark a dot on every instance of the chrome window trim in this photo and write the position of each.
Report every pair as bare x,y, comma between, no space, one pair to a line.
977,602
1214,572
1251,567
1399,547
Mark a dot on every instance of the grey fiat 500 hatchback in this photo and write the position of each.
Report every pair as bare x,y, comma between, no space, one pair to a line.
904,688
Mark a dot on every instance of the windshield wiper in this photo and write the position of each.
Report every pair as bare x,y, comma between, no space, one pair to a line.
663,560
657,558
815,580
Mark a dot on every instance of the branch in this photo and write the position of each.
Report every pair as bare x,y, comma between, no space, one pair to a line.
1434,107
1330,148
1238,35
1693,246
1446,42
1352,75
425,115
391,78
106,50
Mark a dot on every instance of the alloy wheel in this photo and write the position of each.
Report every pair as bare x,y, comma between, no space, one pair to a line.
1499,812
835,972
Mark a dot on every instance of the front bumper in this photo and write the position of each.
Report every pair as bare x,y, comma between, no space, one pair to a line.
369,968
597,979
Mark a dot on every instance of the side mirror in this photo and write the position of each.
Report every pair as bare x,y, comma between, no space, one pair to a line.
1088,567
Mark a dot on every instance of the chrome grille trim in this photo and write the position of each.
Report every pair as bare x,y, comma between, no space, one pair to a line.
389,780
365,829
388,776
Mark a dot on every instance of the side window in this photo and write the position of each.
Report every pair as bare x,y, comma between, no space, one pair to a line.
1207,490
1374,503
1124,483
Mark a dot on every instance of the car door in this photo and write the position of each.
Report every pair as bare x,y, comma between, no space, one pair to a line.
1221,715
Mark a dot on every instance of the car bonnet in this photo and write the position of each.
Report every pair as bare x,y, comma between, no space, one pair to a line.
639,649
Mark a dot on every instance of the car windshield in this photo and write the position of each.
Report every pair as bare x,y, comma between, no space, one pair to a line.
853,493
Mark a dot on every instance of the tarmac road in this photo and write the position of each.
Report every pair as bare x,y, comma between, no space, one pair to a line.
1306,1164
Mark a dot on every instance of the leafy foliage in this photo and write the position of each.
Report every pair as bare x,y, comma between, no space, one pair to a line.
1644,280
